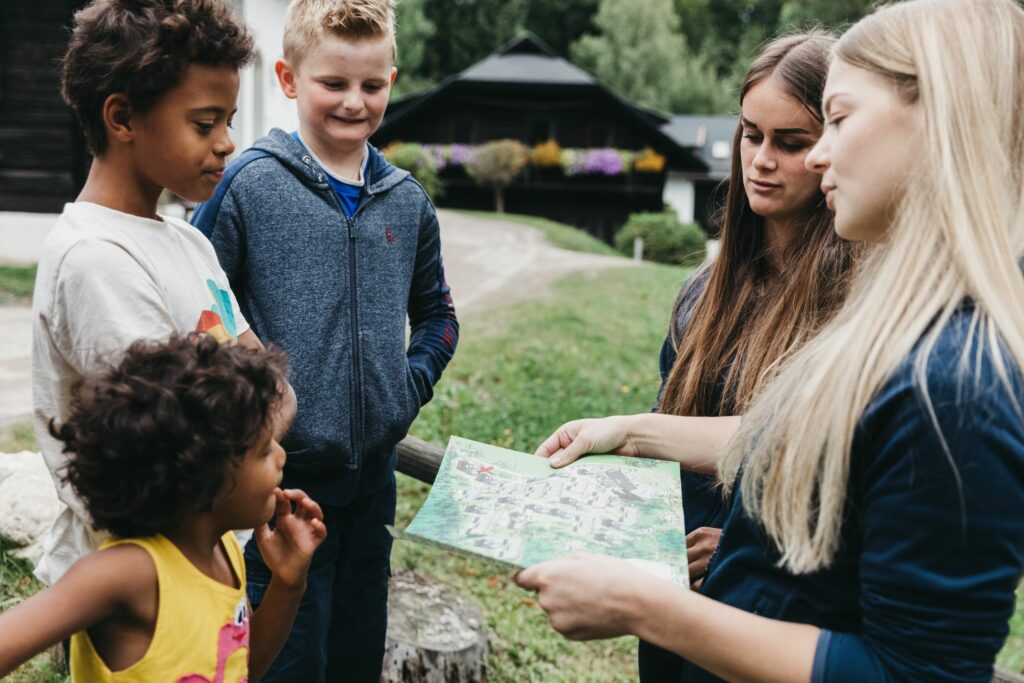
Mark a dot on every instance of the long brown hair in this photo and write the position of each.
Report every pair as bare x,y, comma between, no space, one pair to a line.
751,315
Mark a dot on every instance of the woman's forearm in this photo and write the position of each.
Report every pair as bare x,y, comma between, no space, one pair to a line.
696,443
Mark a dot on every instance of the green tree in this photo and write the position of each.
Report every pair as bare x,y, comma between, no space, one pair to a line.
642,53
559,23
639,51
414,35
832,14
467,31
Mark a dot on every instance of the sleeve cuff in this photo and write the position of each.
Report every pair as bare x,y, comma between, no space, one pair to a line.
821,656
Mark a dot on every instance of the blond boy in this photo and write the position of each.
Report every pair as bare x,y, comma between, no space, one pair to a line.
329,249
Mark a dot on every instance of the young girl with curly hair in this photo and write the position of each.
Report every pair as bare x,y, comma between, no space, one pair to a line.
171,449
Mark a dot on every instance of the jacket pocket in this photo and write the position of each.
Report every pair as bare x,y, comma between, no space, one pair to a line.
390,400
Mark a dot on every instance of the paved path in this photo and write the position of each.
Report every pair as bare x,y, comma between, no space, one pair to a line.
488,263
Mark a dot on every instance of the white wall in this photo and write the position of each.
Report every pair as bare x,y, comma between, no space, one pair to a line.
680,195
261,104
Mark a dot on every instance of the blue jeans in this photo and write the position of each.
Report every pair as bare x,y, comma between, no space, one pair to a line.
341,625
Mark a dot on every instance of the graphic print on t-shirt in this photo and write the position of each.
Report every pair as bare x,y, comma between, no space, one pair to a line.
219,321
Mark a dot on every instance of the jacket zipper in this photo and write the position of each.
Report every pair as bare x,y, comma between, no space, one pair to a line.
357,365
356,425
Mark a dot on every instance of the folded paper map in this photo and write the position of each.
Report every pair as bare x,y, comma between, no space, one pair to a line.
515,508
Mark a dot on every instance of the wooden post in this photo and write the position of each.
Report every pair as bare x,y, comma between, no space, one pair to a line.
1004,676
434,635
419,459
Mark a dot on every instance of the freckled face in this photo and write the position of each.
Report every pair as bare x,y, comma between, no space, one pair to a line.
341,90
182,142
777,134
867,151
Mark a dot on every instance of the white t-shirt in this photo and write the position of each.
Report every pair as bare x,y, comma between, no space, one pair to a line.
106,279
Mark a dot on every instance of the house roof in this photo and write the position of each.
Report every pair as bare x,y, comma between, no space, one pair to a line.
709,136
528,61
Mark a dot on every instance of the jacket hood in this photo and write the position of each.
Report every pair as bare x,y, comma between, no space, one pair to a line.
380,175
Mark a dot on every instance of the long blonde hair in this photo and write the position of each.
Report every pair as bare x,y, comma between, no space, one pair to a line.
958,233
751,315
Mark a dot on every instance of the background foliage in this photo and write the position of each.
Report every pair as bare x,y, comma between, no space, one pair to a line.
681,56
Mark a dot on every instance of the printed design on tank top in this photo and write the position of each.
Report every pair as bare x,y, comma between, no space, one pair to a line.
233,636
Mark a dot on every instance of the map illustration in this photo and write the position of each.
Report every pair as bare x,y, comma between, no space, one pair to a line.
515,508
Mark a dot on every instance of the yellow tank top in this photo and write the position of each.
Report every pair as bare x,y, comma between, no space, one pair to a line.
202,626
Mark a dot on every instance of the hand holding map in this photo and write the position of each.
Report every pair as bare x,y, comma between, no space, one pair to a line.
515,508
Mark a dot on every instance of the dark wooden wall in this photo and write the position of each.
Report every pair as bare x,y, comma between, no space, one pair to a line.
476,113
43,159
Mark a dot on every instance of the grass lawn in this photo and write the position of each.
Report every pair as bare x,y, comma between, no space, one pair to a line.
16,284
559,234
591,349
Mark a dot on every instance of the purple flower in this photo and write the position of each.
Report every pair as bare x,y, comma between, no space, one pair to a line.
603,161
438,155
572,161
460,154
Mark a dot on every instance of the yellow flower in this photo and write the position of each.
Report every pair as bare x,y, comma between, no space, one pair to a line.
546,154
649,161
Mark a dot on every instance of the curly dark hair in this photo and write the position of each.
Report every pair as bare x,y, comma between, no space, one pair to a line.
152,439
142,48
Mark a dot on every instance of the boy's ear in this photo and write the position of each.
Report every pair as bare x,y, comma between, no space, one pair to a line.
117,117
394,74
286,77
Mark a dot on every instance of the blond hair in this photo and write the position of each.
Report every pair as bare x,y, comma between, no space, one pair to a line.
308,20
958,233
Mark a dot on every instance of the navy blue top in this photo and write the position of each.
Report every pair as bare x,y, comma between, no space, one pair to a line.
932,541
702,499
348,194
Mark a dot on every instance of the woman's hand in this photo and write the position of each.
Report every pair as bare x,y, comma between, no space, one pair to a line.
585,596
287,549
701,544
575,439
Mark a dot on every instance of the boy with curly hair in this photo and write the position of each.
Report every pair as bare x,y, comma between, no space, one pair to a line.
330,249
153,84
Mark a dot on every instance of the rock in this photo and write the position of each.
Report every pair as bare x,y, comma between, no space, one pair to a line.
434,634
28,502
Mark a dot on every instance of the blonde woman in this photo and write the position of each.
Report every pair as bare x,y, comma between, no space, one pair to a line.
876,531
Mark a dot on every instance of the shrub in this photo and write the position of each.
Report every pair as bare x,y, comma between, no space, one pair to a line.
418,161
666,240
546,154
497,164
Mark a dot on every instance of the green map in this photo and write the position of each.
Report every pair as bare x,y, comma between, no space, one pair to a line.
515,508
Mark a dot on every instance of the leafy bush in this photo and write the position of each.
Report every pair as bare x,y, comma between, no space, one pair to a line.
666,240
497,164
418,161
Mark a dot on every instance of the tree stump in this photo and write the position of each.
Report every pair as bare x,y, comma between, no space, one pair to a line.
434,635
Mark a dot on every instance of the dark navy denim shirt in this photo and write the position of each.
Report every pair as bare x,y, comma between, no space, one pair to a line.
932,544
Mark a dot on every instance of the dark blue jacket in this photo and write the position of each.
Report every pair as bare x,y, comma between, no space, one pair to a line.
334,293
932,540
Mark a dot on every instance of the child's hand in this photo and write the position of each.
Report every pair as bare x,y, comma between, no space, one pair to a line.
288,549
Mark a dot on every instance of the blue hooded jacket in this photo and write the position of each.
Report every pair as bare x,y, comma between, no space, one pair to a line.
333,292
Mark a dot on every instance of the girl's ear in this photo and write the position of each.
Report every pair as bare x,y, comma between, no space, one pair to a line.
117,117
394,74
286,77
